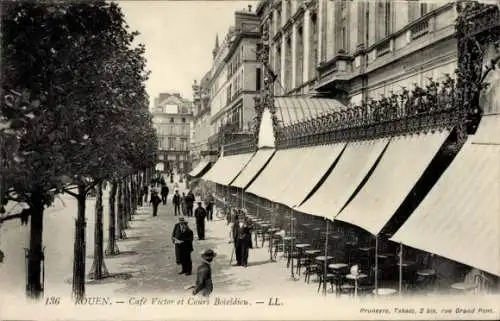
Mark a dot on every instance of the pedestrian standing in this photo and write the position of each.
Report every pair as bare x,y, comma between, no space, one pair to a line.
145,191
176,200
184,239
204,284
200,214
155,200
164,193
175,234
242,233
183,204
190,203
209,202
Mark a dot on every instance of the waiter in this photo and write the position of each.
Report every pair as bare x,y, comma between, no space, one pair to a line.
242,234
200,215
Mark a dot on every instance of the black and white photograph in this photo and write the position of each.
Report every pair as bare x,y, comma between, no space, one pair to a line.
250,160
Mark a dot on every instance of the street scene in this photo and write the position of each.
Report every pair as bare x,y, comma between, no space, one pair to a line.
251,153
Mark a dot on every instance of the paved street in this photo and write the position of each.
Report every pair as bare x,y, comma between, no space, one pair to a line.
147,262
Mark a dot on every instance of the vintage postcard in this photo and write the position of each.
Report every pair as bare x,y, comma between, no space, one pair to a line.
250,160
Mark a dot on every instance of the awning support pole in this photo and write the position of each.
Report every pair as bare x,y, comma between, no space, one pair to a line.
400,268
325,267
376,264
292,243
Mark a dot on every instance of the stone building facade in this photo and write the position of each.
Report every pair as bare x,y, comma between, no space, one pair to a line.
172,119
354,51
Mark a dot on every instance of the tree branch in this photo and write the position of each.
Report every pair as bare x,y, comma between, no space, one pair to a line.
10,217
70,193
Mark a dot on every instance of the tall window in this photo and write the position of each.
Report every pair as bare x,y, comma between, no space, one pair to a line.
278,19
417,9
342,44
288,9
171,143
384,16
258,79
313,47
288,64
278,69
299,56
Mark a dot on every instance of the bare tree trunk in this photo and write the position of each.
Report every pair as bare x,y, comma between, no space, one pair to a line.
79,247
112,248
98,270
34,286
121,211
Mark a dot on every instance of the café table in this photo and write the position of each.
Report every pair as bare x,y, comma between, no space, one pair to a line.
323,258
337,266
356,277
426,272
384,291
301,247
464,286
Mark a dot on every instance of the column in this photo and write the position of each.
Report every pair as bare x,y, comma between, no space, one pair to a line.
283,63
321,8
294,56
307,35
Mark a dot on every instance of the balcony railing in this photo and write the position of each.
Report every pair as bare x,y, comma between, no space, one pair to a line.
419,110
419,29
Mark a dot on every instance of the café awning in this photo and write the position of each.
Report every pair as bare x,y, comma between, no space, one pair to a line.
354,164
199,169
227,168
308,174
280,168
248,174
459,219
400,167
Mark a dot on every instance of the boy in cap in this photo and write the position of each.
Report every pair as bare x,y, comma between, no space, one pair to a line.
204,283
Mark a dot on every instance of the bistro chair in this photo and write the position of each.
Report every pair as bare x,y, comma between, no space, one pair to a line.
329,278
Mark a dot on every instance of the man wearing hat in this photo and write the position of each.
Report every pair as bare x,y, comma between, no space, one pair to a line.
204,283
242,234
200,215
183,240
175,234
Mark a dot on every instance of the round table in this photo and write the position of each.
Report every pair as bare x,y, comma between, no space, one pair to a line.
426,272
337,266
322,258
302,245
406,264
288,238
312,252
356,278
384,291
463,286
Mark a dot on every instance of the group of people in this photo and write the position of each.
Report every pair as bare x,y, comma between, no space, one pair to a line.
183,204
158,196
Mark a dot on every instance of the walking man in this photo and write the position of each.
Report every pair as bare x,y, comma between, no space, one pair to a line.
200,215
164,193
243,238
184,239
175,234
209,202
189,203
176,200
145,191
204,284
155,200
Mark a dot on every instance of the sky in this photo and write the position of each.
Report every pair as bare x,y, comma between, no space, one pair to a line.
179,37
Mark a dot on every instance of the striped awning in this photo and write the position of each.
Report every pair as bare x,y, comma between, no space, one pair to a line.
278,171
291,110
354,164
199,169
227,168
400,167
248,174
308,174
459,219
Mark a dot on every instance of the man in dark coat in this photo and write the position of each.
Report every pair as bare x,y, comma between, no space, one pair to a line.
155,200
189,203
164,193
176,200
209,202
175,233
184,239
200,214
204,284
242,233
145,191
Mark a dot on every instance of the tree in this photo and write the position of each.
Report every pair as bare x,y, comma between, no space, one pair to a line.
62,57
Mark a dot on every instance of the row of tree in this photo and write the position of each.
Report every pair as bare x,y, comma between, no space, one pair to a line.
74,114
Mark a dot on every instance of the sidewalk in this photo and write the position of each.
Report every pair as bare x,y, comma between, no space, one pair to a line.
148,256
